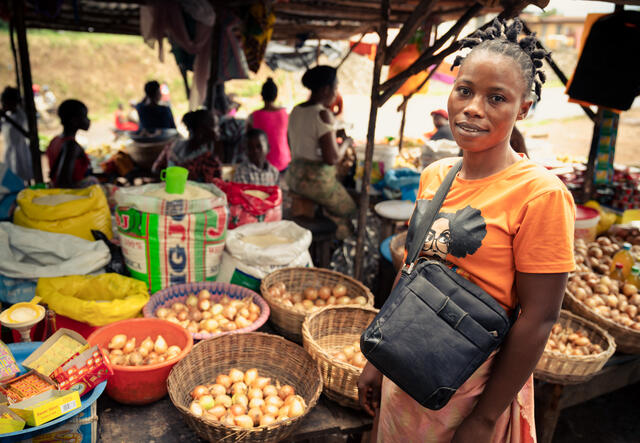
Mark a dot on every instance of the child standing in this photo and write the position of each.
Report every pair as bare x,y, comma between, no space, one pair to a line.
68,163
257,170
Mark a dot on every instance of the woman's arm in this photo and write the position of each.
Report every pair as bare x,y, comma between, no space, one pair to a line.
540,297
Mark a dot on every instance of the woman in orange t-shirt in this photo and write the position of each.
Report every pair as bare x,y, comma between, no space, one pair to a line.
506,225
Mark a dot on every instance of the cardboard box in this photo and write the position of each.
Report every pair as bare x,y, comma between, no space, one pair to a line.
55,351
12,424
46,406
15,390
84,371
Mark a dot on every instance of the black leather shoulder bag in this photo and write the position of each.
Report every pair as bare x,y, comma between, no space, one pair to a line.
436,328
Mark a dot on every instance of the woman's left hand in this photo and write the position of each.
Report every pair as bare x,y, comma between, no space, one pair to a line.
474,429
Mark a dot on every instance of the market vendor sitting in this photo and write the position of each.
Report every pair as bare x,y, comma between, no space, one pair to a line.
315,151
256,169
69,165
198,153
151,113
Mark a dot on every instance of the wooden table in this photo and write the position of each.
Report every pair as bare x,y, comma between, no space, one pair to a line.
161,422
552,398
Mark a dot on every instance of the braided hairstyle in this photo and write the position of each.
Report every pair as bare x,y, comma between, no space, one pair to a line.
501,38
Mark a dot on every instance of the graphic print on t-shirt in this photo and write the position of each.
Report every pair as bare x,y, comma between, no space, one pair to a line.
458,234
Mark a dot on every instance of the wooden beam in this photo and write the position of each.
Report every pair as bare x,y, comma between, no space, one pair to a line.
27,87
426,58
371,132
409,29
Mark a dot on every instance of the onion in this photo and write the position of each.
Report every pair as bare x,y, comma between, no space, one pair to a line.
162,313
206,401
256,415
223,400
324,292
192,300
286,391
274,400
339,290
160,346
244,421
311,294
217,389
250,376
237,409
256,403
196,409
266,420
204,295
199,391
236,375
240,399
269,391
239,388
224,380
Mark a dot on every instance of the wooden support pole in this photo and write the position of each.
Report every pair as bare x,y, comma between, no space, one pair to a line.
27,87
557,70
371,132
419,15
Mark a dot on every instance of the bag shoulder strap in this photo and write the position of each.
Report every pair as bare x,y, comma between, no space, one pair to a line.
423,217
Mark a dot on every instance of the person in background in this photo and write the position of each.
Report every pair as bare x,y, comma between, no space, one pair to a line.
315,151
273,120
122,121
151,113
198,152
17,155
441,123
256,169
69,166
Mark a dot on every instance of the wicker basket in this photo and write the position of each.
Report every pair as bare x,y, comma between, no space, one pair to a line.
627,339
328,331
179,293
273,356
287,320
569,369
397,249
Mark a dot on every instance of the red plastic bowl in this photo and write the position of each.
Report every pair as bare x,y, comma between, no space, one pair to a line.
139,385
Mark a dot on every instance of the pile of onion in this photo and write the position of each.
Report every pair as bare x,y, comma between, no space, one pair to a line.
351,354
200,315
246,399
123,351
314,297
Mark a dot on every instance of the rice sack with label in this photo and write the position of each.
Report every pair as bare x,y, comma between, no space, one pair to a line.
169,239
255,250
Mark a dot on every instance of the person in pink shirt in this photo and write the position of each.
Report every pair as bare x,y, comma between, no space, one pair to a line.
274,121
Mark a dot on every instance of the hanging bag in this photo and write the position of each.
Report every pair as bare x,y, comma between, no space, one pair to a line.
437,327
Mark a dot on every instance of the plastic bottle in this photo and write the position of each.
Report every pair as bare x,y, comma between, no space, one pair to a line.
618,273
634,277
623,256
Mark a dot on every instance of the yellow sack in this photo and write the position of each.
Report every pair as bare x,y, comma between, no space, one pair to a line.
96,300
65,211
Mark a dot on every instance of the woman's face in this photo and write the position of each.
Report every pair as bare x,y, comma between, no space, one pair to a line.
486,101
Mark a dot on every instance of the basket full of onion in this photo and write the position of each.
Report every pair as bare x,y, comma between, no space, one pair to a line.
332,337
207,309
245,387
292,293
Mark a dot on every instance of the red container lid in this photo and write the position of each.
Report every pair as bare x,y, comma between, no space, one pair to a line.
585,213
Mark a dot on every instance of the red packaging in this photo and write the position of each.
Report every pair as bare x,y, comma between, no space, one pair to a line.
84,371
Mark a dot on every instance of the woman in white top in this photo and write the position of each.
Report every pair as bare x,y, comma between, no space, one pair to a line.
315,151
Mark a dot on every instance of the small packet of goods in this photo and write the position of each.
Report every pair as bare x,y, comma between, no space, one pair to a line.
10,421
56,350
83,371
46,406
8,366
26,386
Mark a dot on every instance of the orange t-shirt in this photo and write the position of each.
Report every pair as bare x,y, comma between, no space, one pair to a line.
520,219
